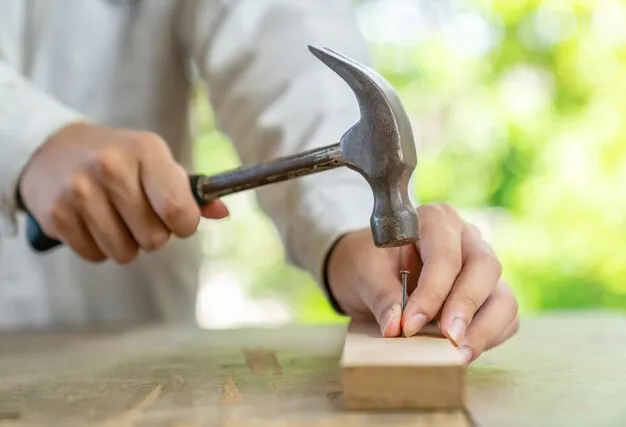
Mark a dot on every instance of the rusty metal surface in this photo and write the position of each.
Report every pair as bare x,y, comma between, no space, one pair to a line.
282,169
379,146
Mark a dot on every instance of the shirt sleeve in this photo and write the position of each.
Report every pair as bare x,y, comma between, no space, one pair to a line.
272,97
27,118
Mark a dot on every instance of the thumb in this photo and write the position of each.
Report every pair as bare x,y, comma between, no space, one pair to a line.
215,210
386,309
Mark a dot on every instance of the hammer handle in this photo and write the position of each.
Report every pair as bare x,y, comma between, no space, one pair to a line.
38,240
208,188
41,242
205,189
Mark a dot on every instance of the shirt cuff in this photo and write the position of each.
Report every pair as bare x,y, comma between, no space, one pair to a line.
326,284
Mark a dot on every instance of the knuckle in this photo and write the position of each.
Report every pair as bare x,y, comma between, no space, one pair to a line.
440,214
449,260
108,164
430,302
475,229
145,142
188,228
172,210
59,217
429,210
467,305
80,188
488,261
155,240
446,215
503,290
504,293
181,217
447,210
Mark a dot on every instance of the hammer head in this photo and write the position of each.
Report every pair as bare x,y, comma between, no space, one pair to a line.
380,147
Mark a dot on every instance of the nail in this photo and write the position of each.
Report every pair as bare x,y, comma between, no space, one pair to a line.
466,354
414,324
394,314
456,330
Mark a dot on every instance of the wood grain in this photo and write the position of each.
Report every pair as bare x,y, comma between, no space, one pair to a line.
420,372
563,370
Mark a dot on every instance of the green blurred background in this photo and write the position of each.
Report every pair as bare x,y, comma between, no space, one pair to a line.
518,112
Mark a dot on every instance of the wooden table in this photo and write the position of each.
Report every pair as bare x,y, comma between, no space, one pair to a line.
560,370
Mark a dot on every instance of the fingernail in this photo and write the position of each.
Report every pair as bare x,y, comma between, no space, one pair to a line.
466,354
414,324
394,313
456,330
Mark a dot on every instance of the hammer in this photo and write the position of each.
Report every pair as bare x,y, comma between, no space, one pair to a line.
379,146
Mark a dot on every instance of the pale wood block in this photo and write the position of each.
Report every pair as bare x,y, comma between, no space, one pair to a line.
421,372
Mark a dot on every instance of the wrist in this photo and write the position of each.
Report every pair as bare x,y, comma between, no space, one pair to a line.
326,278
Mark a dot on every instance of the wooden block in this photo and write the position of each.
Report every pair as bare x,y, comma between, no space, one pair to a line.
421,372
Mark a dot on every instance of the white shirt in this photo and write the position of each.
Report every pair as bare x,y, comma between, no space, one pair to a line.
132,63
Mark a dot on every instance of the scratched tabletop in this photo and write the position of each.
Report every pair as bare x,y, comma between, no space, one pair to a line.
560,370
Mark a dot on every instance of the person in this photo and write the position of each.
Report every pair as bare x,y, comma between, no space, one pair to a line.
95,143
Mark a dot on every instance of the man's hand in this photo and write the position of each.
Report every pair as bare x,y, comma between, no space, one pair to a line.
108,192
455,279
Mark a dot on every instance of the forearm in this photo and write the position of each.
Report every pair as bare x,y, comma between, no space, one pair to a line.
28,117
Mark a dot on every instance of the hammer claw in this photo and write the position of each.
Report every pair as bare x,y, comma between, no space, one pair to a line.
379,146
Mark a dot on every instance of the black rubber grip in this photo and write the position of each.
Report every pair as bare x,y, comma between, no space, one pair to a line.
40,242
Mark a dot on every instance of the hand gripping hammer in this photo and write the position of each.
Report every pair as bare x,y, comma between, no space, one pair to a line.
379,146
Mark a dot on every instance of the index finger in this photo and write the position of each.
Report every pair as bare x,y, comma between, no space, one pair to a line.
478,278
440,250
166,184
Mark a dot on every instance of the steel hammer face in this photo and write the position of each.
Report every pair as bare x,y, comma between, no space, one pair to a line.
380,146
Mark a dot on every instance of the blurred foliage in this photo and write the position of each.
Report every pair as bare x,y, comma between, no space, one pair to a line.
527,127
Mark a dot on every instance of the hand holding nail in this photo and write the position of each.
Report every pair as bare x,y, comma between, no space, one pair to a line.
454,279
